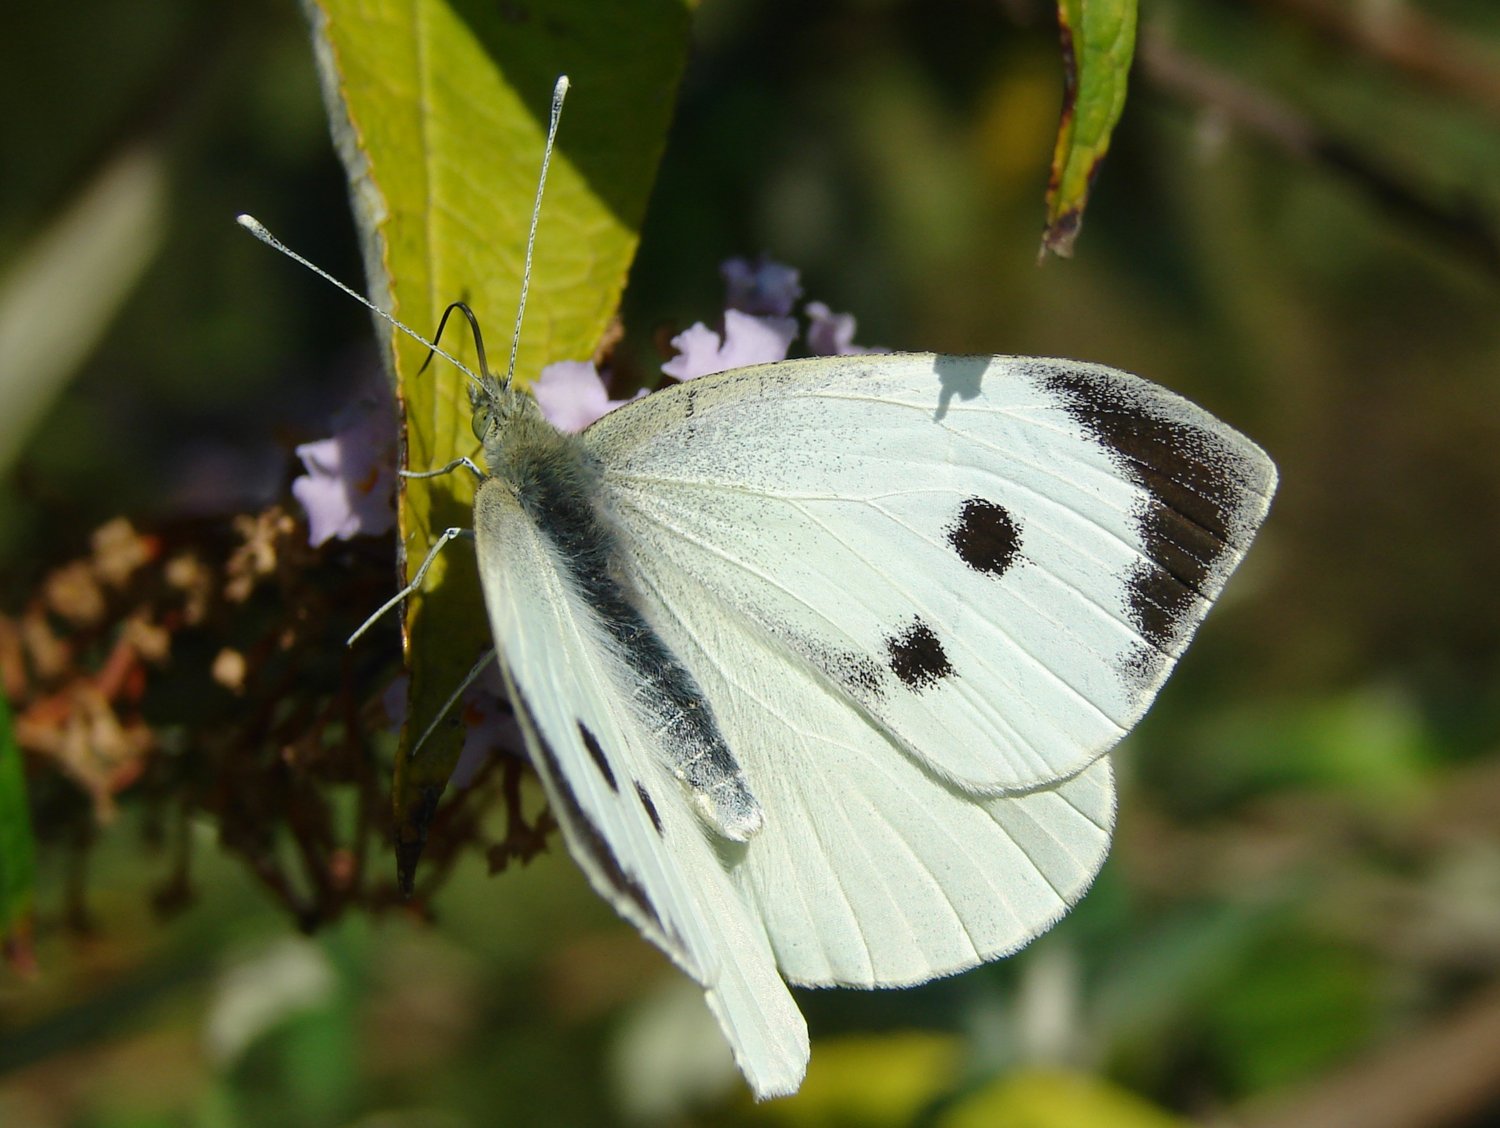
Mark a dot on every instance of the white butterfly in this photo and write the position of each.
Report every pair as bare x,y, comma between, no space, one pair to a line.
818,661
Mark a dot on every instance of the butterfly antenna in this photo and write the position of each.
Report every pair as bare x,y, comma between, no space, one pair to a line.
463,308
559,92
258,229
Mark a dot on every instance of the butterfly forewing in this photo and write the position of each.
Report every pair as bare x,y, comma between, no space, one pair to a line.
999,559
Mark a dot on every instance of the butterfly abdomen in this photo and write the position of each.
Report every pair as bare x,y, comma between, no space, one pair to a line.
556,484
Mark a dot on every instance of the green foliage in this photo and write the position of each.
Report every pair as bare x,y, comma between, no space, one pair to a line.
1369,746
1296,1007
881,1081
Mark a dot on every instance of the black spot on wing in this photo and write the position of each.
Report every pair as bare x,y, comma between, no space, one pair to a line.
597,755
587,837
1198,494
917,658
645,797
985,536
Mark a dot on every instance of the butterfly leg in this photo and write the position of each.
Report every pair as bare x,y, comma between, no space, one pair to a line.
448,469
442,541
473,675
416,581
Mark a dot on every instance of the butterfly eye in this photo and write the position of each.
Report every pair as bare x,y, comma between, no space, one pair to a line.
481,421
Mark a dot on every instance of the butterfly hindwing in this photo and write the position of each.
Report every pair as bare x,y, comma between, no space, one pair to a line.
871,869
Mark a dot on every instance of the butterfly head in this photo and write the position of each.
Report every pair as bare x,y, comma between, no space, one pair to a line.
499,407
508,423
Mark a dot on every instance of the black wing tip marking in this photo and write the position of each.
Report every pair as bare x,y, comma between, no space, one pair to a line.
1207,490
916,656
1215,480
986,536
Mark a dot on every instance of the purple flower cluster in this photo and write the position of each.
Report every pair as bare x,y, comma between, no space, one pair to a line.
758,329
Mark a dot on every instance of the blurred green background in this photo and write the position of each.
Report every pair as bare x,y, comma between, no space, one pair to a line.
1300,922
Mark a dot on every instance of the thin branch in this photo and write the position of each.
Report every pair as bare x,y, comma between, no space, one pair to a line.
1460,225
1407,39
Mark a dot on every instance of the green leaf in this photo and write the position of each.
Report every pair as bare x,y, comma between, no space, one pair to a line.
17,851
439,110
1098,40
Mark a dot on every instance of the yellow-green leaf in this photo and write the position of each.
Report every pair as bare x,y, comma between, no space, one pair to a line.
1055,1099
1098,41
877,1080
439,108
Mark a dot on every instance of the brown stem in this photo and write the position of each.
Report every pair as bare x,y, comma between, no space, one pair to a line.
1460,225
1406,39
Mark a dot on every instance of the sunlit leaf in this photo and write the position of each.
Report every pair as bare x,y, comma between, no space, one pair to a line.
873,1080
1055,1099
439,109
1098,41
